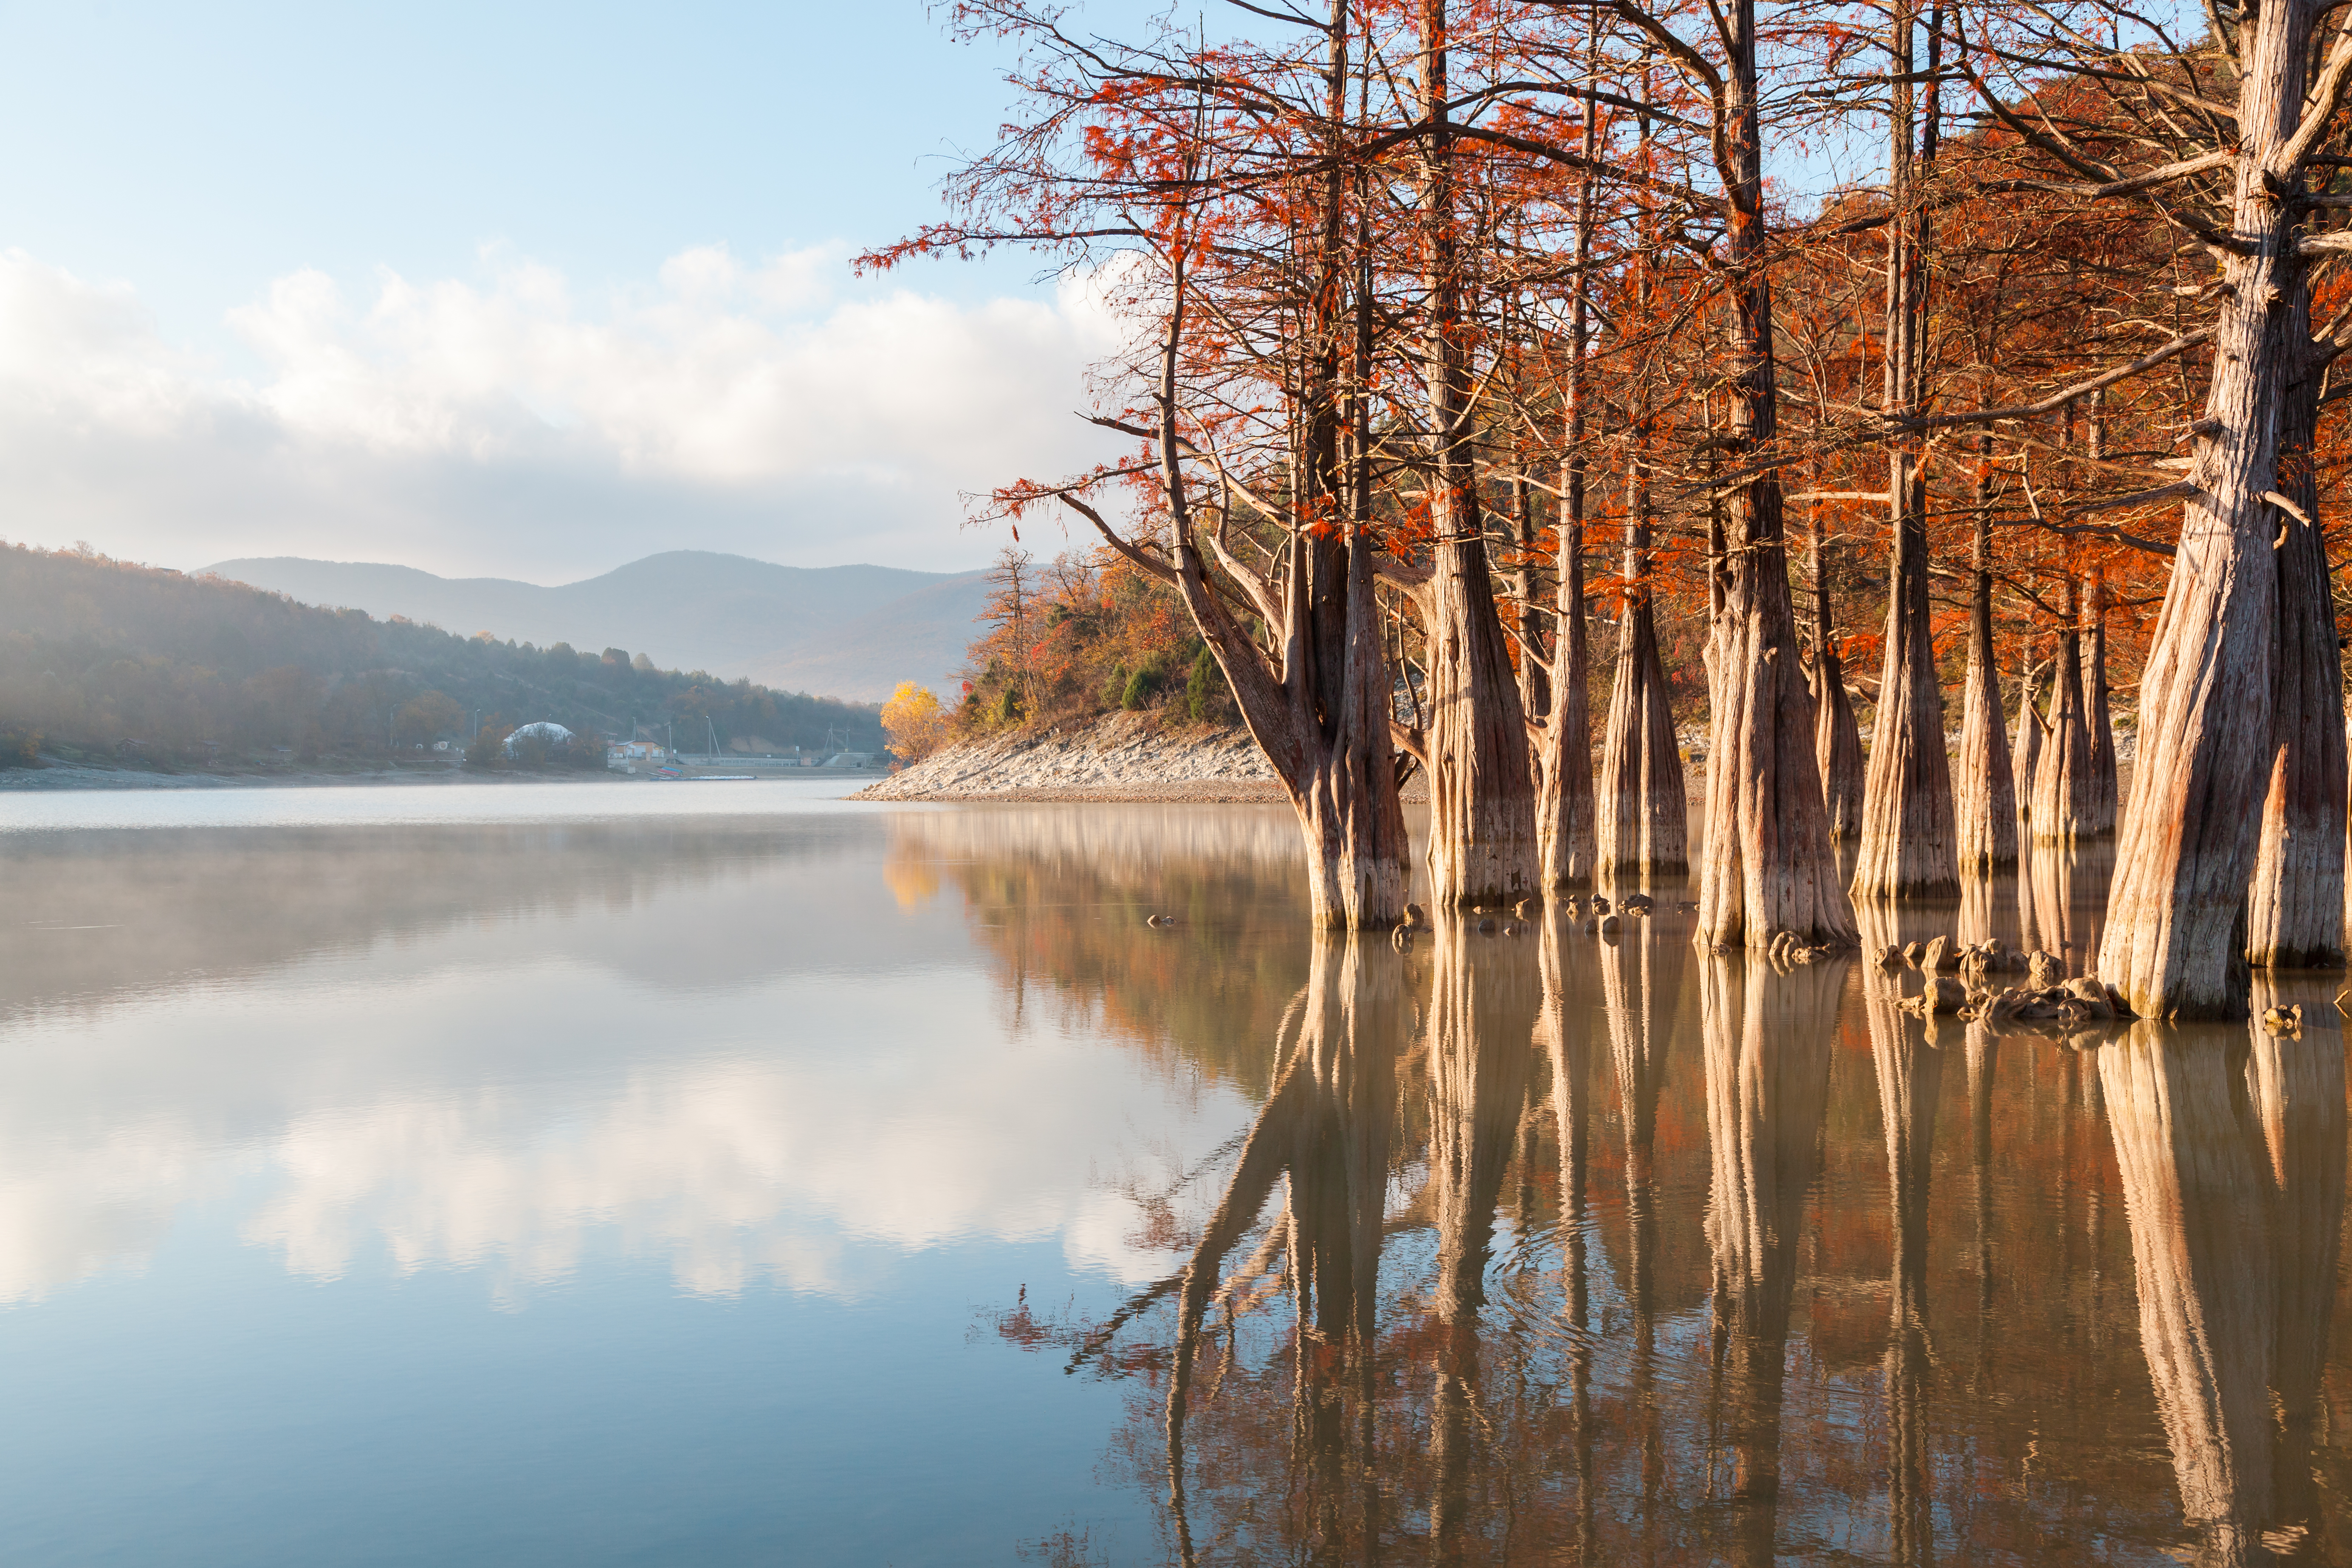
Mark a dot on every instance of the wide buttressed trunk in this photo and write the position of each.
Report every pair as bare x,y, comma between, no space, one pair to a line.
2294,902
1481,818
1770,865
1346,801
1837,746
2062,809
1909,841
1984,794
1337,767
2175,941
1643,813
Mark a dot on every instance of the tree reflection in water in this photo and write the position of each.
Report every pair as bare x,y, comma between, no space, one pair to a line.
1910,1071
2233,1158
1767,1076
1449,1302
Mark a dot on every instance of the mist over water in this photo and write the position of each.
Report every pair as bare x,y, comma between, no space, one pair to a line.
723,1174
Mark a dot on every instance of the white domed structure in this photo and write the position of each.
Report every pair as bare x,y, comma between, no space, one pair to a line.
552,734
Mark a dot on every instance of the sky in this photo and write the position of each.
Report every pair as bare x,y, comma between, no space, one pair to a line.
521,290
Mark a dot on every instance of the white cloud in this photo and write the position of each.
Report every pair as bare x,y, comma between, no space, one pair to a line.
510,424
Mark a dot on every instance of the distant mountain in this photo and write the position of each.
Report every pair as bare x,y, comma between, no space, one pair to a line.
852,632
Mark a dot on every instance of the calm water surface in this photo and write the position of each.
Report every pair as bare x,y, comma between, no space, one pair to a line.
722,1173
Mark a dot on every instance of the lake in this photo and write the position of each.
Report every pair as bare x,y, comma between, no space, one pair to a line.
718,1173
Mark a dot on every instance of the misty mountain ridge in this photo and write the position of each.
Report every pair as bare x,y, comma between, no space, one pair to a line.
850,632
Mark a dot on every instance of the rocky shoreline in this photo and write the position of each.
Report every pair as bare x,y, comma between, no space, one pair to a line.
1119,757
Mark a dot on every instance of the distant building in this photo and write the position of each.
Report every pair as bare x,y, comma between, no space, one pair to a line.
628,757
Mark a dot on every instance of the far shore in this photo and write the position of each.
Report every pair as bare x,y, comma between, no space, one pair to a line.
82,775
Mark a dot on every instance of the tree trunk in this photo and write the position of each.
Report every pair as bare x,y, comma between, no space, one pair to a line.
1770,865
1564,803
2175,943
1909,839
2294,902
1535,682
1482,819
1643,813
1837,738
2061,780
1335,763
2098,713
2025,756
1985,794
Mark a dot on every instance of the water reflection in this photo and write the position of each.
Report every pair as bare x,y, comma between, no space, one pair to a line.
1638,1196
1767,1040
2232,1156
1521,1244
2063,899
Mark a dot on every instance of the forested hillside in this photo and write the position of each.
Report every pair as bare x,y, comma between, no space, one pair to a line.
852,632
101,656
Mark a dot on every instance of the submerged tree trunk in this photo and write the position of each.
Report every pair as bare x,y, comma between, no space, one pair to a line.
2294,902
1535,681
1984,804
2061,779
2098,713
1482,848
2175,943
1910,842
1564,800
1643,813
1909,839
1564,803
1837,738
1770,865
1325,733
2025,756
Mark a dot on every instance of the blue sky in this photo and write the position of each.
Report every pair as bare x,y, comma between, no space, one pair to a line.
523,289
514,288
200,150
